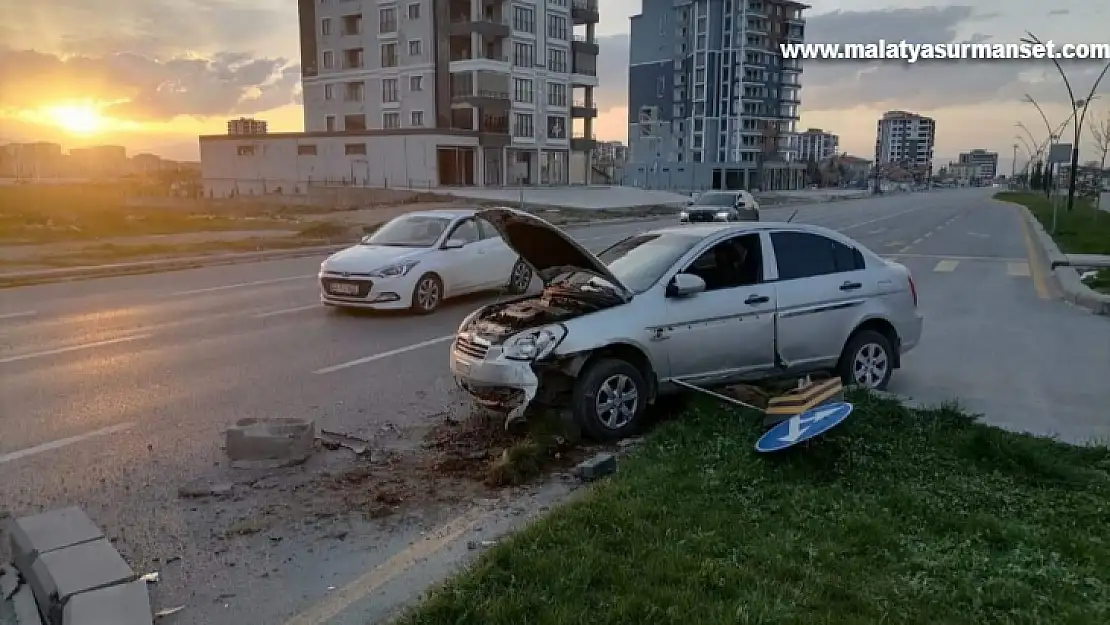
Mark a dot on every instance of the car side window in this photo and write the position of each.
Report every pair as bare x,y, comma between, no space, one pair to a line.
804,255
486,230
735,262
466,231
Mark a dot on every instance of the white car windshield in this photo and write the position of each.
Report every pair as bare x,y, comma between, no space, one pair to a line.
716,199
640,260
409,231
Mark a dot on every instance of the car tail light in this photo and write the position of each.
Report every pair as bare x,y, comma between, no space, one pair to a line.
913,290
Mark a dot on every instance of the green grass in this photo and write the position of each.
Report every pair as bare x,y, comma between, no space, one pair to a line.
1083,230
897,516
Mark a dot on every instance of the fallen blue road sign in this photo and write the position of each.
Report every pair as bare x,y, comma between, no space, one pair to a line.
803,427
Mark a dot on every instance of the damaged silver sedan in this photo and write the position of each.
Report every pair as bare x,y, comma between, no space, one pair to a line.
705,305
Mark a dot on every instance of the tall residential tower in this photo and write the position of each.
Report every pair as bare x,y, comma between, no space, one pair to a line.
905,140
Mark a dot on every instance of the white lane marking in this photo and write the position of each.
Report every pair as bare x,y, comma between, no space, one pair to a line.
74,348
17,315
979,235
951,257
1019,269
226,287
877,231
286,311
390,353
946,266
64,442
877,219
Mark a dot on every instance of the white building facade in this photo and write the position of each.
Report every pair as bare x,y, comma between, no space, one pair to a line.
906,140
817,145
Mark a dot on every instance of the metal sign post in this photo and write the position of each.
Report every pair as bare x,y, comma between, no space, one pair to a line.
1058,153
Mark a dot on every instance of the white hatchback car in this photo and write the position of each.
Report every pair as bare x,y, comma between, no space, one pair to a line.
417,260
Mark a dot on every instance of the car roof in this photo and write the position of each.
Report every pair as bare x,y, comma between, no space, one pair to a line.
709,230
446,213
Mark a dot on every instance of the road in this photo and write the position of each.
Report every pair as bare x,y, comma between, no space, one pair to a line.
115,391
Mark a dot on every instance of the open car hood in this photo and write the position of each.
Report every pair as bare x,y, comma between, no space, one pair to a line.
547,248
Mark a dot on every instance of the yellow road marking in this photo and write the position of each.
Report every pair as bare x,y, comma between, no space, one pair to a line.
1039,282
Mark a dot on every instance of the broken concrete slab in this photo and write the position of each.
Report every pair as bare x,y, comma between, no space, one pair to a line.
34,535
201,489
58,575
270,443
596,467
25,608
126,604
9,582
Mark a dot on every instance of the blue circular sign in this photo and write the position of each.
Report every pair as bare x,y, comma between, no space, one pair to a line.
803,427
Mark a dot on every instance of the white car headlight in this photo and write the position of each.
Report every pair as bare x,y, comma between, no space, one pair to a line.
535,343
683,215
395,270
722,215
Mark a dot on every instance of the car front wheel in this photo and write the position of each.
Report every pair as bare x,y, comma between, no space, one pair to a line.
521,278
427,294
609,399
867,361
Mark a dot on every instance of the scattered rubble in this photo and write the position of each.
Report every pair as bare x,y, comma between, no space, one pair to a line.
596,467
270,443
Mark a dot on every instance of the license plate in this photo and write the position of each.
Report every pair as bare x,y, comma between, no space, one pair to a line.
340,288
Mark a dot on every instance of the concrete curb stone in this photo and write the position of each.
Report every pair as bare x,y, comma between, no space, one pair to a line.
26,610
1067,278
35,535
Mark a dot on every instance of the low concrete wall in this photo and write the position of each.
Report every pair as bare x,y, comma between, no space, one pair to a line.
1067,278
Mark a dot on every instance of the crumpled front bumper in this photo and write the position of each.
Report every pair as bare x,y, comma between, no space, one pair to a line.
492,379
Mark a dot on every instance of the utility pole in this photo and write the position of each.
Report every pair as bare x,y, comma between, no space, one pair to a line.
1013,166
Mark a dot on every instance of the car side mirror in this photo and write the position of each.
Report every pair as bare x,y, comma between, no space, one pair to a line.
453,244
685,285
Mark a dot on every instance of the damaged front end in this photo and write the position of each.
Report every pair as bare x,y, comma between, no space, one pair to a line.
505,355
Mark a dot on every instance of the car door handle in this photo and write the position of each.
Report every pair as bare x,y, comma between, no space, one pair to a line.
756,299
850,286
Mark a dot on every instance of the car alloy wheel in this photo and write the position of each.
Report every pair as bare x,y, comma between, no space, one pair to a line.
870,366
521,278
609,399
427,294
616,401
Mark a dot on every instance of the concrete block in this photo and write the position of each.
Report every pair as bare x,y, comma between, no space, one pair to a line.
126,604
34,535
58,575
270,442
9,582
596,467
26,610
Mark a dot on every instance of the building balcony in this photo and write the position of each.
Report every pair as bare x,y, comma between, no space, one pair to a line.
583,76
580,109
483,98
582,45
584,12
488,25
581,142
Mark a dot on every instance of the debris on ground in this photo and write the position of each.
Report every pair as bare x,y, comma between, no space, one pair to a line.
338,440
596,467
168,612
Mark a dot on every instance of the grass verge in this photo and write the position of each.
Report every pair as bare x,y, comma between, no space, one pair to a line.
1082,230
897,516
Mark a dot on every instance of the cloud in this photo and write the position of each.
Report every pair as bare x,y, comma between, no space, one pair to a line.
1056,12
612,72
147,88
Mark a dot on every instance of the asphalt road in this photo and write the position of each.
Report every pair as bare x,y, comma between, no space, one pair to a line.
114,392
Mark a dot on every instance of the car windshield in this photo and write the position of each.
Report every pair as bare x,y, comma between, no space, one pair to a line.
409,231
640,260
716,199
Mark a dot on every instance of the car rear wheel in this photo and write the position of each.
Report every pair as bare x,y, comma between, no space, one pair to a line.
427,294
521,277
867,360
609,399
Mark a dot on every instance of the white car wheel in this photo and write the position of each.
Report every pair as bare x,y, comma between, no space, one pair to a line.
521,277
427,294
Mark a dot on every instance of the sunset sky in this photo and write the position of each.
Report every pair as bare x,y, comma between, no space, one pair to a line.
152,75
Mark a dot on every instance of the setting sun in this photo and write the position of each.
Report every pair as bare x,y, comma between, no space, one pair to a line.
82,119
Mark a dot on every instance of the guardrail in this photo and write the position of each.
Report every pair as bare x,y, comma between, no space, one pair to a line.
1083,261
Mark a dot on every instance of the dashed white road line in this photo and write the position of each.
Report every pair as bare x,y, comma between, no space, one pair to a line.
64,442
73,348
228,287
946,266
17,315
1020,270
388,354
285,311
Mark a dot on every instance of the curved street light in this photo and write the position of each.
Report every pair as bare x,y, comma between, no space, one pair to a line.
1028,132
1079,112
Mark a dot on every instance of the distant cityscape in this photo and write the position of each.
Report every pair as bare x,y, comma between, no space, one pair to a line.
44,161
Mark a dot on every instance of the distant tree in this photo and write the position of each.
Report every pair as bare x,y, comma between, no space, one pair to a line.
1100,132
813,171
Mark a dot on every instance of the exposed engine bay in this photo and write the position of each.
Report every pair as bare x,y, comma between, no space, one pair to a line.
558,302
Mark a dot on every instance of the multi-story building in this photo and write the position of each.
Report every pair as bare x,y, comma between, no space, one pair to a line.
611,152
102,161
817,145
986,161
246,126
712,103
31,160
905,140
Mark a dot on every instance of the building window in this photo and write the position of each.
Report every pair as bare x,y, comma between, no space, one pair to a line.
389,90
418,118
245,150
387,20
325,26
556,94
391,120
329,123
524,55
389,55
329,92
557,60
415,48
414,11
306,150
524,19
416,83
522,90
556,26
522,125
354,122
328,59
353,149
352,24
352,59
354,92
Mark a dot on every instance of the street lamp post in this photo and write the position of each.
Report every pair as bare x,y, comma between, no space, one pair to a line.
1079,112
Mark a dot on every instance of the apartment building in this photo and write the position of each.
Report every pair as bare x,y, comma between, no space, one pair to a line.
712,103
817,145
905,140
484,92
987,162
246,126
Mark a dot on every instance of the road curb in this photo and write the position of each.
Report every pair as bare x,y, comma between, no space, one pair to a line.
70,574
1067,278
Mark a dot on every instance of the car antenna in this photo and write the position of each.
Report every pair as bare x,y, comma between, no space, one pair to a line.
792,216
